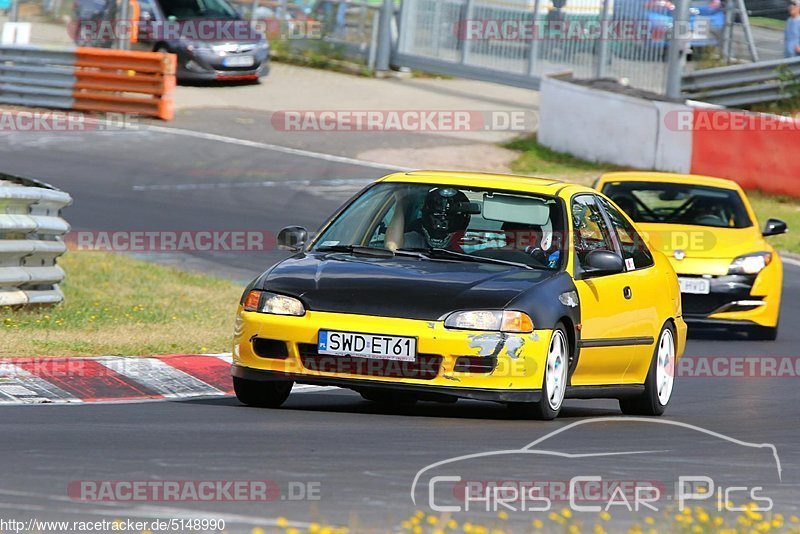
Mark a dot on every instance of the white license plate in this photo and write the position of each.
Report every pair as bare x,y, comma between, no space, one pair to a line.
367,346
238,61
695,286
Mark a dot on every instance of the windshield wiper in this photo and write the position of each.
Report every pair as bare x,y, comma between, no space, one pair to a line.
433,251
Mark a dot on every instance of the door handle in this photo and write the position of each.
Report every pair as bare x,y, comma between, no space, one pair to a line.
627,292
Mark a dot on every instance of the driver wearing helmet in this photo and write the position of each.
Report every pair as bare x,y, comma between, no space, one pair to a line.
443,221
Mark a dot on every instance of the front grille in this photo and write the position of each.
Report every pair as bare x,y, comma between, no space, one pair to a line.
426,366
270,348
703,304
475,364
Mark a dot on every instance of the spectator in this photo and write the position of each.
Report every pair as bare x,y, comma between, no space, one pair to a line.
792,33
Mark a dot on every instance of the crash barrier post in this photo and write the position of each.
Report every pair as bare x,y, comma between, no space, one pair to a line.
31,240
88,79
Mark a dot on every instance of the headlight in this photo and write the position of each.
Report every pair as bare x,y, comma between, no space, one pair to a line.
266,302
499,321
750,263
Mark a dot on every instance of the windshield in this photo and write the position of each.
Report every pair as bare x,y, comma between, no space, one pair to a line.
651,202
453,223
198,9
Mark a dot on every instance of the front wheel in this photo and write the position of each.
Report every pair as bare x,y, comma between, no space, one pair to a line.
262,394
554,382
660,379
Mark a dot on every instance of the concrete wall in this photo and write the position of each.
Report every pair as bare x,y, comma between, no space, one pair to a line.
608,127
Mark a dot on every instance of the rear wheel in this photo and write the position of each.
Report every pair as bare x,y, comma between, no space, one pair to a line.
554,382
660,379
262,394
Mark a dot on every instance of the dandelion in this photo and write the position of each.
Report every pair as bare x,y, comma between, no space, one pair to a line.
649,520
502,514
432,519
537,524
452,524
566,512
282,522
605,516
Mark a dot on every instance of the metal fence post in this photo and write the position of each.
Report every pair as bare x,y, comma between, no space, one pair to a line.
466,42
533,50
123,42
727,31
14,11
677,48
602,50
385,36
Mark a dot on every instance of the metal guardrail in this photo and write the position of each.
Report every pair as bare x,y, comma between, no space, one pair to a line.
31,240
88,79
749,83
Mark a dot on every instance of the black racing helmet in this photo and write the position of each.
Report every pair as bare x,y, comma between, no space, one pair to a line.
443,212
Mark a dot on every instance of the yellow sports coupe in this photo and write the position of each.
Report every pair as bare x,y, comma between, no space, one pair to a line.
442,285
729,274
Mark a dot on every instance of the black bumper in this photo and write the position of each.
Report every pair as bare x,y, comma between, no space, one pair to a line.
724,291
494,395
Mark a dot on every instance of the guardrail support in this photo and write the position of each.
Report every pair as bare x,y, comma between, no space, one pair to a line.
385,36
678,47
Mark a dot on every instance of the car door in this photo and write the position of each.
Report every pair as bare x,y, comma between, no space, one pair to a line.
610,329
644,290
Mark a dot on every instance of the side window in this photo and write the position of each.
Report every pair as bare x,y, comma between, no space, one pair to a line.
589,227
634,249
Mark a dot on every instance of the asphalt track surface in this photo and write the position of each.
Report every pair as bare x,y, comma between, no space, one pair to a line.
362,457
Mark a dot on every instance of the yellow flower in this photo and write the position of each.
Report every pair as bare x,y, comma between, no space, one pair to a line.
649,520
417,530
794,519
452,524
432,519
552,516
502,514
292,531
467,527
313,528
605,516
405,524
566,512
598,529
282,522
257,530
537,524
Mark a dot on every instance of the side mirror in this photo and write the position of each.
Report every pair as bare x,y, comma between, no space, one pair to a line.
292,238
775,227
602,262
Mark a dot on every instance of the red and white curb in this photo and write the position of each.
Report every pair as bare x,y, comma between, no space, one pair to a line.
114,378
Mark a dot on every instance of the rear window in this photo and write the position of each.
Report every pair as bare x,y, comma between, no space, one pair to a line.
667,203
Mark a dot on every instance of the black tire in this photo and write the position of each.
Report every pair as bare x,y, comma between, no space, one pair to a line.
763,333
389,397
648,403
546,409
262,394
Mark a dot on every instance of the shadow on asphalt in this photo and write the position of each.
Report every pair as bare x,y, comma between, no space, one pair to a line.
353,404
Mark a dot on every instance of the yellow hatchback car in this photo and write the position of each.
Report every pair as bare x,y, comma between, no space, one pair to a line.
438,286
729,274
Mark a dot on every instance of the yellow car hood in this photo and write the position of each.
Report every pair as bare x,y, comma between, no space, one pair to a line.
702,242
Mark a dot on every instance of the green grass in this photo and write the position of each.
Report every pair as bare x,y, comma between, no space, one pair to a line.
765,22
779,207
538,160
116,305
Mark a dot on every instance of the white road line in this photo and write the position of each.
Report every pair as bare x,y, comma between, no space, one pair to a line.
275,148
348,185
791,261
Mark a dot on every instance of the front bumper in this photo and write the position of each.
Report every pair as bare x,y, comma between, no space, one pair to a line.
476,365
207,66
736,299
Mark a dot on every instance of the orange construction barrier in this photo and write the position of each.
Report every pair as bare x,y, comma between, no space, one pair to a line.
124,81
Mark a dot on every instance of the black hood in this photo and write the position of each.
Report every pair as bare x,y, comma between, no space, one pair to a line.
398,287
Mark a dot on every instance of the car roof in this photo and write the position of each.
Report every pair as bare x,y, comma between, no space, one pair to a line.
668,177
528,184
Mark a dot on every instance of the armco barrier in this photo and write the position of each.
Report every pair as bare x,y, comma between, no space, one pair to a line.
31,240
88,79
